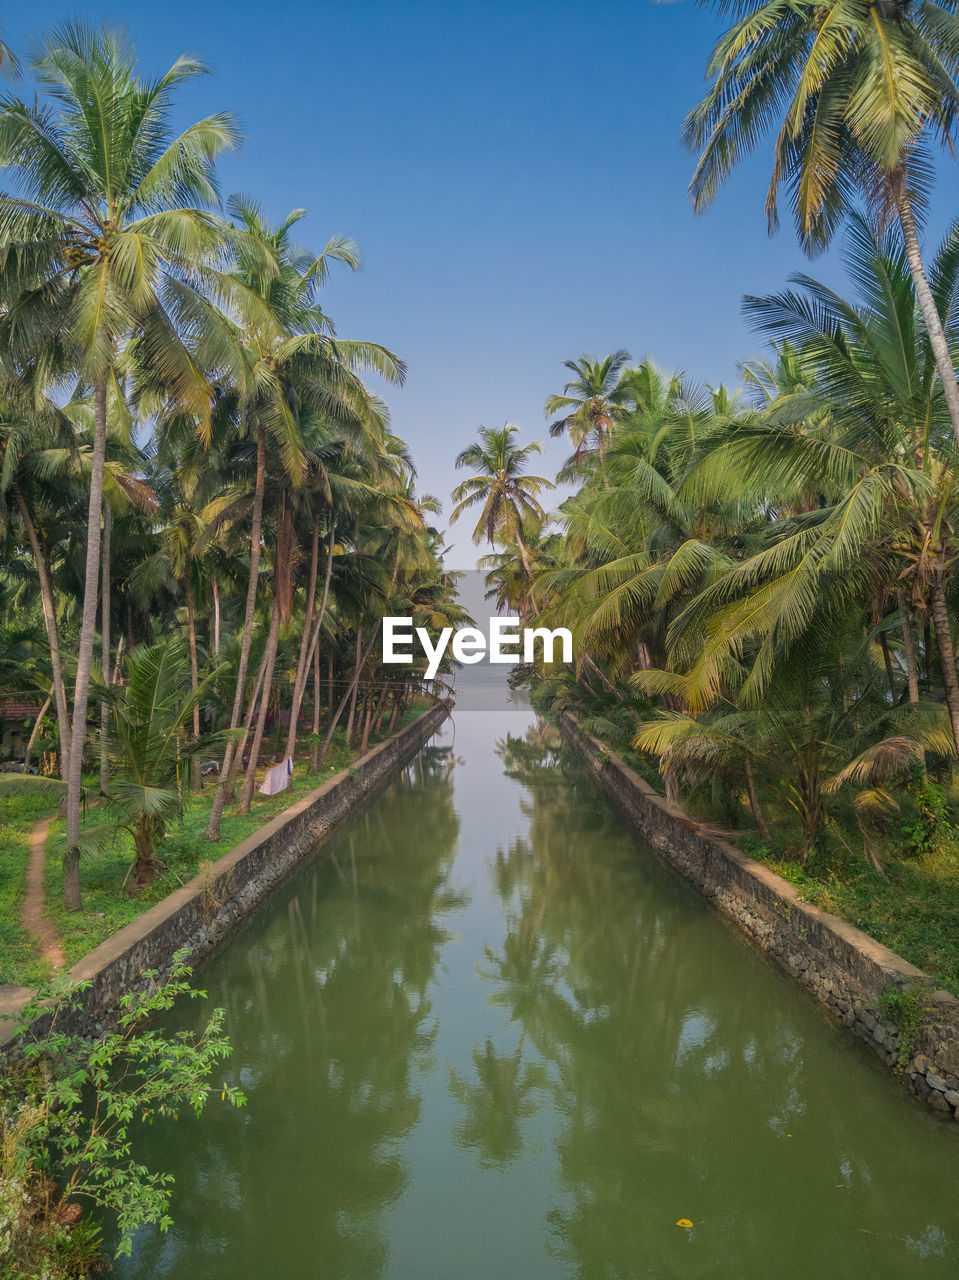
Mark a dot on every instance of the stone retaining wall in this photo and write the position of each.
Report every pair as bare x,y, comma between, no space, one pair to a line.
199,915
845,969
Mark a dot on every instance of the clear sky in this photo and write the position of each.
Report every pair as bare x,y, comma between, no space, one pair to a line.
513,174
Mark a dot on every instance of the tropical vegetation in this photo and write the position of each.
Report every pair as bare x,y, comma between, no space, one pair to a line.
761,581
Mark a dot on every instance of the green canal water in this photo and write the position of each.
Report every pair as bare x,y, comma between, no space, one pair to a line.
486,1034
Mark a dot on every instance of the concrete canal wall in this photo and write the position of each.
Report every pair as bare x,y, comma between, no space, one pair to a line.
845,969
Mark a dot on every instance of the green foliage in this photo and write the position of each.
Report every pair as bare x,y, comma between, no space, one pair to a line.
905,1009
929,821
75,1113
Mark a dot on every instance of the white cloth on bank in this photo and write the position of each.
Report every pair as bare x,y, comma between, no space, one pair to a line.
277,778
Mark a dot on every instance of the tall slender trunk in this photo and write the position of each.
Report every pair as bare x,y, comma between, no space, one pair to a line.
249,782
909,647
216,619
350,692
947,654
887,659
316,690
71,859
33,734
395,713
928,654
365,741
927,303
356,685
105,574
48,607
758,815
380,706
219,798
315,743
250,715
311,631
194,666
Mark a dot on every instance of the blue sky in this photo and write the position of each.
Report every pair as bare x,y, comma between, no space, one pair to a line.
513,174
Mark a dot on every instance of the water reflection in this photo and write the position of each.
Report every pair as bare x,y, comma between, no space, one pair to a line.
674,1096
495,1103
329,1011
486,1034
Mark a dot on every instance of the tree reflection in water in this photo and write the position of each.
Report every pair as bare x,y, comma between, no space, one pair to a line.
597,976
348,966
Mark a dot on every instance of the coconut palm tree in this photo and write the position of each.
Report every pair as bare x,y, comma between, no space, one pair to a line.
110,214
509,499
866,483
280,357
857,90
148,747
38,455
592,402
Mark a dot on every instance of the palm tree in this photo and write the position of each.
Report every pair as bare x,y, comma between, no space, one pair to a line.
280,358
857,89
111,214
37,456
866,483
592,402
509,499
150,756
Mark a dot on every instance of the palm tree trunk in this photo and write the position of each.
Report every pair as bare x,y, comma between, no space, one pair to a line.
302,661
33,734
219,798
143,844
317,678
237,764
309,645
71,859
909,647
760,819
249,782
351,691
356,685
887,659
315,744
380,711
216,619
927,303
366,723
194,667
50,622
105,574
947,654
928,655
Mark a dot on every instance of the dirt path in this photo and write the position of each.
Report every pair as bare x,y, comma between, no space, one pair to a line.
32,914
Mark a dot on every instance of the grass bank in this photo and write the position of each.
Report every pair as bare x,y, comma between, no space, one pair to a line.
106,905
19,962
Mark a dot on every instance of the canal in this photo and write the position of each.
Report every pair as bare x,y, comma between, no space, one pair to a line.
486,1034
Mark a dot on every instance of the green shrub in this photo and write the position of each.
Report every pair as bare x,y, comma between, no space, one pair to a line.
68,1118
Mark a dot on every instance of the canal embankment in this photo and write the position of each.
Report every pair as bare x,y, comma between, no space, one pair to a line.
205,910
882,998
